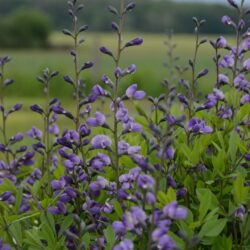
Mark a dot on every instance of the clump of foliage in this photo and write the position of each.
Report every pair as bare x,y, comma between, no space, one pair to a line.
173,176
25,28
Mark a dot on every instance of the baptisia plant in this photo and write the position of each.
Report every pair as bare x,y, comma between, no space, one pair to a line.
173,178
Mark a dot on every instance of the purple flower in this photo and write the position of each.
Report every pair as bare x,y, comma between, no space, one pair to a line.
131,69
241,83
118,72
145,181
131,126
4,246
227,62
134,218
101,142
246,65
97,90
227,20
150,198
99,162
246,44
240,212
123,147
35,133
166,243
132,92
124,245
96,121
58,209
134,42
223,79
225,112
119,227
198,126
221,42
134,150
122,115
245,99
174,212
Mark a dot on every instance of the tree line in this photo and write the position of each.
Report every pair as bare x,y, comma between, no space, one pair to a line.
149,16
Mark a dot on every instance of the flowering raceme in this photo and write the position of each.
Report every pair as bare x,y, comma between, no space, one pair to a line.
169,172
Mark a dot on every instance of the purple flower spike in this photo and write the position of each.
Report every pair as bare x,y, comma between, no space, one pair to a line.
101,142
135,42
96,121
132,92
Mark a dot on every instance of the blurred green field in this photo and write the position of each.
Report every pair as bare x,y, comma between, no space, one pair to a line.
149,57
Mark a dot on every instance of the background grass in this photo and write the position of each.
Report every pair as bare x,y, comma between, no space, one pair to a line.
149,57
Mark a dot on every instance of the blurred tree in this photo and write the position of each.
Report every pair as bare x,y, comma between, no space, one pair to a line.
25,28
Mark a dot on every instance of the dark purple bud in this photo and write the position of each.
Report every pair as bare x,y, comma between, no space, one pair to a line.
68,79
130,7
202,73
8,82
113,10
87,65
134,42
36,108
83,28
115,26
233,3
247,157
106,51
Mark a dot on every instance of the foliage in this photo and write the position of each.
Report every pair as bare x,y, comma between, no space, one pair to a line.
172,177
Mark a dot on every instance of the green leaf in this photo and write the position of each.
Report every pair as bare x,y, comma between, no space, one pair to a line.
110,237
118,209
67,222
86,240
234,140
16,230
240,192
208,201
19,195
219,163
212,228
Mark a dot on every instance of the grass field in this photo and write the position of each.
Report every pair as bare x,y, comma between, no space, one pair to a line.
149,57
